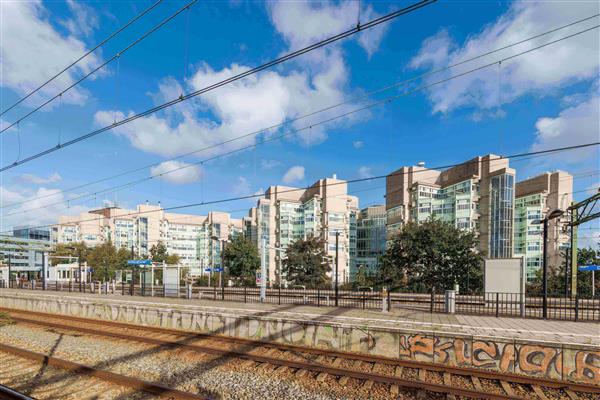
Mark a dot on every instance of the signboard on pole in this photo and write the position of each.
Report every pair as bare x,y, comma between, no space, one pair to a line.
258,277
589,268
139,262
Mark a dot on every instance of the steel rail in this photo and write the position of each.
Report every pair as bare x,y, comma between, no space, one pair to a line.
463,371
306,365
7,393
123,380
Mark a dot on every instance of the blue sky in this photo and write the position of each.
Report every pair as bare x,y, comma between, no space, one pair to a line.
546,99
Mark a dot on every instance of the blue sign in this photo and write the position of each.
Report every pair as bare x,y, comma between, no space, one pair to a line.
207,269
139,262
589,268
218,269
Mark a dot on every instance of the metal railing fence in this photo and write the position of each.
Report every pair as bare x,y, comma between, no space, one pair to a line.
489,304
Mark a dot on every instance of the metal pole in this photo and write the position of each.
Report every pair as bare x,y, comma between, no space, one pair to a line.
79,264
567,273
9,271
545,270
43,270
263,271
593,284
222,273
573,254
132,273
337,237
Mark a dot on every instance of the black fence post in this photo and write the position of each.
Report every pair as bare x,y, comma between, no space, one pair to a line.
364,299
122,288
214,292
279,301
318,297
222,293
245,293
432,303
497,304
576,307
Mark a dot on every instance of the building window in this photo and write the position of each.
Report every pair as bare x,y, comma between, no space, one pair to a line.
501,215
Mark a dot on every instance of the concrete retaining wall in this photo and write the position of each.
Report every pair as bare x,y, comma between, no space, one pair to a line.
545,359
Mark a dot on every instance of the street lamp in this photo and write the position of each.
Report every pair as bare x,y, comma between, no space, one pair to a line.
556,213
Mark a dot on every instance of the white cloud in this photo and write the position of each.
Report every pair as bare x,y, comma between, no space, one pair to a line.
269,98
242,186
269,164
43,207
365,172
358,144
303,23
36,51
39,180
574,125
182,172
85,20
294,174
554,66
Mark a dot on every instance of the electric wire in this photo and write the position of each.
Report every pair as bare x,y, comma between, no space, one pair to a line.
93,71
341,182
102,43
291,132
224,82
263,130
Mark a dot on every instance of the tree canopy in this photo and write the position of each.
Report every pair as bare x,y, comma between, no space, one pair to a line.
432,254
305,263
158,253
242,260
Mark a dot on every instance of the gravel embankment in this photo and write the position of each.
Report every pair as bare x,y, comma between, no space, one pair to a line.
202,374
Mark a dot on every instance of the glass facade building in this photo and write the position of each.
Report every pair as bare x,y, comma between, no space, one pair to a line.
502,194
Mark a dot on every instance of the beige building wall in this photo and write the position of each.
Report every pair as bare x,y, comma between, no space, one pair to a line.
402,188
321,210
556,192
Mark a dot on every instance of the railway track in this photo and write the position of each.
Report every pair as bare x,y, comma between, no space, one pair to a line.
422,378
83,370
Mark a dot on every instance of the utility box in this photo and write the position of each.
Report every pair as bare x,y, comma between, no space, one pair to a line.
504,275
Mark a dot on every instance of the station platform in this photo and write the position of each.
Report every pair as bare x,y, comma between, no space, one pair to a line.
554,349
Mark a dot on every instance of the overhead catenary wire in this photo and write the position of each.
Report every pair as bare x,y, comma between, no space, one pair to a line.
93,71
102,43
341,182
328,108
224,82
308,127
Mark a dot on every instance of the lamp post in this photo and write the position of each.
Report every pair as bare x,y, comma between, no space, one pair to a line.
550,216
337,239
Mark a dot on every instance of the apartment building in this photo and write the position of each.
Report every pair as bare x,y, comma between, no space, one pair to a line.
370,239
287,214
534,198
197,240
477,194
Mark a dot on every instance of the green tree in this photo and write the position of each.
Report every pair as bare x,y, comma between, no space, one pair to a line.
556,275
242,260
158,253
105,259
76,249
432,254
305,263
363,277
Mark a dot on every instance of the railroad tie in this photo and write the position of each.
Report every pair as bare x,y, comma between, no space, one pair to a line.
368,384
540,393
301,372
343,380
448,382
281,369
571,394
337,362
322,376
248,363
476,383
395,389
422,374
507,388
422,394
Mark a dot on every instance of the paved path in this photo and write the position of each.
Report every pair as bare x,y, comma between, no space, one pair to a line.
510,328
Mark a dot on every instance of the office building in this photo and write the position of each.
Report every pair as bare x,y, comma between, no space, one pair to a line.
370,240
25,257
287,214
197,240
477,195
534,199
